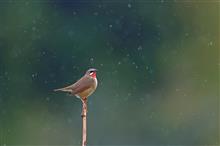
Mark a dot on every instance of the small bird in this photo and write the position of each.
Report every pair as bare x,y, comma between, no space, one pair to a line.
84,87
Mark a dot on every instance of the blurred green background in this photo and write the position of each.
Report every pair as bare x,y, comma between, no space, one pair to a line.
158,73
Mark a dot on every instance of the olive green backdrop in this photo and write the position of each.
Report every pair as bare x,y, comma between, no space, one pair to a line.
158,75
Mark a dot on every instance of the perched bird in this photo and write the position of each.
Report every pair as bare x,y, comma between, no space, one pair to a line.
84,87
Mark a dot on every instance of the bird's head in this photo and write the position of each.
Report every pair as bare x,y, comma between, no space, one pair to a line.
91,72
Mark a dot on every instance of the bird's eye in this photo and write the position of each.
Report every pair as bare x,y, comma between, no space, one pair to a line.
91,72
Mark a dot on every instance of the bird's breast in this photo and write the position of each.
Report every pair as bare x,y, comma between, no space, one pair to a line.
89,91
86,93
96,82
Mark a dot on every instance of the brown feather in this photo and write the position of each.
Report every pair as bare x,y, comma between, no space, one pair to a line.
84,83
82,87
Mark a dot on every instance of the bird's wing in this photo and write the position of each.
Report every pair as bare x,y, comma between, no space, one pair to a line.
84,83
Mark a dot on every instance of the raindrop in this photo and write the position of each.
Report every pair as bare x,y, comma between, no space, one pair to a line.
177,90
47,98
129,5
158,25
6,73
91,60
69,120
43,53
116,95
34,21
142,100
139,48
33,28
34,75
70,33
153,82
210,43
74,13
186,34
100,6
126,99
96,13
27,3
151,71
152,115
45,82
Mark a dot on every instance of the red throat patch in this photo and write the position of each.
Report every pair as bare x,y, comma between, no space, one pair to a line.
93,74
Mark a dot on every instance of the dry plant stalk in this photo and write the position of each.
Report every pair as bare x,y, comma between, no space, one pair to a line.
83,115
83,88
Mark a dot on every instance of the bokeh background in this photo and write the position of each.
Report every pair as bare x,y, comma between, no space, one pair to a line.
158,65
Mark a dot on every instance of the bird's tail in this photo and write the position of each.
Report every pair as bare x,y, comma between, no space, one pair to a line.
62,89
57,89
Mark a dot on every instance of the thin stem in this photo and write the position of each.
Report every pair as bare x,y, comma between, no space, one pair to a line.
84,114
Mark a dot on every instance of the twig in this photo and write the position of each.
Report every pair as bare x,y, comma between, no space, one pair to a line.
83,115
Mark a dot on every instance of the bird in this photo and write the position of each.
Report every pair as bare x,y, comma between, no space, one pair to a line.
84,87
